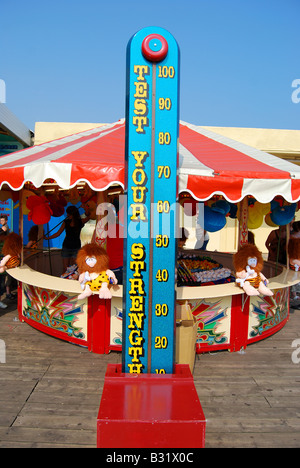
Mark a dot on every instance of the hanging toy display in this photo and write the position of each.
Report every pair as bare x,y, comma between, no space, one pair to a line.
256,213
189,205
248,263
74,196
11,250
95,276
215,218
283,215
57,203
269,221
233,212
39,209
25,195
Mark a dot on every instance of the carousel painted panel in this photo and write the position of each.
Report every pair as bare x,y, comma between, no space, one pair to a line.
268,313
214,322
56,313
116,322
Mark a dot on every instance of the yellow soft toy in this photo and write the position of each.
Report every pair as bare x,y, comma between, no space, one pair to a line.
95,276
248,263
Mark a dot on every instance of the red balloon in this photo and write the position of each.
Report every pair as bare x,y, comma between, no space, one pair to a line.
40,211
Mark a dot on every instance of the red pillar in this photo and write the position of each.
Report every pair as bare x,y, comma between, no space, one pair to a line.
97,323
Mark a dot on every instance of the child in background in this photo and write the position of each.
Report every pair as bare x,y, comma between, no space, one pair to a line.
4,229
33,237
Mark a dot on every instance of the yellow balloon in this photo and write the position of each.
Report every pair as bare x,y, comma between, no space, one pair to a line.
255,221
255,217
263,208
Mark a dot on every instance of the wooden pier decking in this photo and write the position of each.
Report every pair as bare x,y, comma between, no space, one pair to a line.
50,391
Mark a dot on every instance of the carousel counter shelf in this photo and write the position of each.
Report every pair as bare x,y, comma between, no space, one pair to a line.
226,317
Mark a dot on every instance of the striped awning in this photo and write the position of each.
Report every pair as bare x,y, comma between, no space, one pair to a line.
209,164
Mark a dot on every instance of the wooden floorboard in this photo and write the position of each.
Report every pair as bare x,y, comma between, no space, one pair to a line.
50,391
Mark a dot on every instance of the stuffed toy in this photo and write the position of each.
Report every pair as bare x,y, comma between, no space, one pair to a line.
95,276
11,250
57,203
248,264
294,253
39,209
73,196
215,217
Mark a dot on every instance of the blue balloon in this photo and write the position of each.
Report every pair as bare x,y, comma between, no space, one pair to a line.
283,215
274,205
213,220
222,206
233,211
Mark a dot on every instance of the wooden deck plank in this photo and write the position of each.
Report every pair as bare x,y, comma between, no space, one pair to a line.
50,391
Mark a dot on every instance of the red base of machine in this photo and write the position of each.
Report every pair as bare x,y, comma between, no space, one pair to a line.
150,410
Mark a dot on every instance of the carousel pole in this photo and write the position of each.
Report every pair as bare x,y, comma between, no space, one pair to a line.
20,288
288,235
21,230
99,238
243,223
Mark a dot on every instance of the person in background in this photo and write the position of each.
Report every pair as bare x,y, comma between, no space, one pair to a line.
182,240
72,243
205,241
4,229
276,245
6,281
295,233
33,237
202,237
251,238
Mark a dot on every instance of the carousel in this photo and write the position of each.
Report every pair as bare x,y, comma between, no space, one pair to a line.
218,179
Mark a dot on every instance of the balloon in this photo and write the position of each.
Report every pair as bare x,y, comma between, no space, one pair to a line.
222,206
284,214
269,221
39,209
256,214
274,205
213,220
233,211
57,204
26,194
255,218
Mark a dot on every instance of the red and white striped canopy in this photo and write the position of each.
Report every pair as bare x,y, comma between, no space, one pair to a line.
209,164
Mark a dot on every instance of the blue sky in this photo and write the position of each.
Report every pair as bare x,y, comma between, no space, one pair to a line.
65,60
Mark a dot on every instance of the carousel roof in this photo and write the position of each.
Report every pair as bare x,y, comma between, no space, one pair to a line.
208,164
